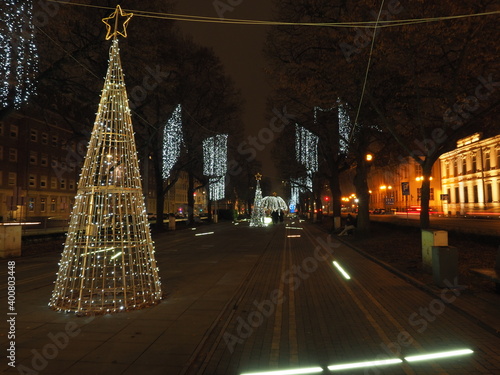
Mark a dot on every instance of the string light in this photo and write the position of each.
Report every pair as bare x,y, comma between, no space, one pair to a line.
172,140
306,148
108,262
215,165
257,219
19,56
274,203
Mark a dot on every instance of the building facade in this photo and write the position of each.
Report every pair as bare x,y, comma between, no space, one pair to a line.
39,168
40,163
471,176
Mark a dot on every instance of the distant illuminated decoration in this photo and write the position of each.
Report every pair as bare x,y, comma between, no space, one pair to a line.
306,148
18,52
257,219
215,165
172,141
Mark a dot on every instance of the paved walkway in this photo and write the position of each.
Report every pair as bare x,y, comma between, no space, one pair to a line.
246,299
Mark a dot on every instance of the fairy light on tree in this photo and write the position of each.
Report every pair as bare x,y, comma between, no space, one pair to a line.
257,219
18,52
108,262
172,141
306,148
215,165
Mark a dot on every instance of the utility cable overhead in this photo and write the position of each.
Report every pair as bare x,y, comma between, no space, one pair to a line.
359,24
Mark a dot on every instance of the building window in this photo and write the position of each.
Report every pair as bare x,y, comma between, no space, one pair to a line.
455,167
62,184
446,169
54,163
489,193
457,195
53,205
466,194
45,138
464,165
55,139
44,160
476,194
13,154
14,131
449,195
33,158
63,204
34,135
53,183
498,158
12,179
71,184
418,170
32,180
43,202
31,204
487,161
43,182
431,195
474,163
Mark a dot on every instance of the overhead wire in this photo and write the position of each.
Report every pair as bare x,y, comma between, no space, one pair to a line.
205,19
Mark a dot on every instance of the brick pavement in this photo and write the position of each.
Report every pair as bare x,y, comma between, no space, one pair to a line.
254,299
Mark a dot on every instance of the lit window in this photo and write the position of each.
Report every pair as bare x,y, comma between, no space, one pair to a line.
43,202
31,204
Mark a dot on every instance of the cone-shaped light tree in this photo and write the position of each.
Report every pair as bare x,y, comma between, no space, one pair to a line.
108,262
257,219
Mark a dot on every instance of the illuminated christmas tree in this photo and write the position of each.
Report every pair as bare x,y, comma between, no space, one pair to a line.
108,262
257,219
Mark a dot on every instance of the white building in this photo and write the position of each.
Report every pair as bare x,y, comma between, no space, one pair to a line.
471,176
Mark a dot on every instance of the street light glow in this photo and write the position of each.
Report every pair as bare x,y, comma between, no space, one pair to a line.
299,371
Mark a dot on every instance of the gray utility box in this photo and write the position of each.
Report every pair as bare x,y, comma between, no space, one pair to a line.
431,238
445,265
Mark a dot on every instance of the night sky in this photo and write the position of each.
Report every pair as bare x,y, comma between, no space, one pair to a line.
240,50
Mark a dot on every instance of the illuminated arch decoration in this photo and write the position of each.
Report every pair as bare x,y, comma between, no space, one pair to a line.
215,165
172,141
108,263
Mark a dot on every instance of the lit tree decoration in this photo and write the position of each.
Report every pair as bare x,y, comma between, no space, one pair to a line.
274,203
257,219
172,141
297,186
215,165
108,262
18,52
306,148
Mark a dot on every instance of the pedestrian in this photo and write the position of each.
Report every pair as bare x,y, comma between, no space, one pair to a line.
350,225
282,216
275,217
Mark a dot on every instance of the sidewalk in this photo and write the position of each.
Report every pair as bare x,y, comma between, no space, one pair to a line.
249,299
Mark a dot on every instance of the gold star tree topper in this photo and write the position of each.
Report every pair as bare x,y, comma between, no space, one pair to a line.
113,27
258,177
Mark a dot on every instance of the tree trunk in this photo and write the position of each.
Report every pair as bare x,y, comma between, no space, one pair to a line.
363,195
160,203
425,197
336,197
190,199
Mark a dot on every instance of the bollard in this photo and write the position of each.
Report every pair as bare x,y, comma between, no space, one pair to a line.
444,265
